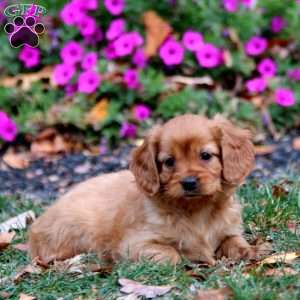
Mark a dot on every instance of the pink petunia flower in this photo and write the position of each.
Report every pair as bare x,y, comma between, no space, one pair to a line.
231,5
285,97
115,29
86,4
87,26
136,38
267,67
277,24
249,3
71,53
110,52
131,78
256,45
128,130
89,61
62,74
71,14
171,52
294,74
8,128
115,7
139,58
124,45
29,56
94,38
209,56
141,112
88,82
192,40
256,85
70,89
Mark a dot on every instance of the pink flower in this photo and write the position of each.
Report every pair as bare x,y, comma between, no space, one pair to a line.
209,56
192,40
256,45
284,97
70,89
89,61
115,29
298,1
267,67
115,7
171,52
88,82
71,14
63,73
94,38
124,44
137,38
139,58
87,4
141,112
256,85
131,78
87,25
249,3
8,128
277,24
231,5
71,53
29,56
294,74
110,52
128,130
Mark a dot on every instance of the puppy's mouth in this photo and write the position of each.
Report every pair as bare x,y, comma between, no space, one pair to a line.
190,195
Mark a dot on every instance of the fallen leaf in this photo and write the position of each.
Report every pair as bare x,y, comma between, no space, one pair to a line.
213,294
227,58
98,113
18,222
6,238
16,160
204,80
22,247
279,191
26,297
285,258
157,30
296,143
29,269
264,149
280,272
148,291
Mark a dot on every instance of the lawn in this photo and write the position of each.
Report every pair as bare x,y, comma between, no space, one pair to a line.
271,214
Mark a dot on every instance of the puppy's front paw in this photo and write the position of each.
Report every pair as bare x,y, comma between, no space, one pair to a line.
236,248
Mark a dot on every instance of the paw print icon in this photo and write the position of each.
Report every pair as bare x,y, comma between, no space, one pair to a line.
24,32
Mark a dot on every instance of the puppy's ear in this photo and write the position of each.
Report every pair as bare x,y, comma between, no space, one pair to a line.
237,150
143,163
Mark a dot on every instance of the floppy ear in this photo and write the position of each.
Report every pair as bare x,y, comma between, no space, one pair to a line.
237,150
143,163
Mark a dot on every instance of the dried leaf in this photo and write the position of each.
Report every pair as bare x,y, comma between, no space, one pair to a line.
18,222
264,149
148,291
280,272
157,30
213,294
22,247
98,113
29,269
227,57
204,80
16,160
286,258
26,297
278,191
6,238
296,143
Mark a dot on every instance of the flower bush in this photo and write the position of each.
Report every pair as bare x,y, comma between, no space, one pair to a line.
237,57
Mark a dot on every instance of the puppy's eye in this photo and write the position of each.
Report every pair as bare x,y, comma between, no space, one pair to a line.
205,156
170,162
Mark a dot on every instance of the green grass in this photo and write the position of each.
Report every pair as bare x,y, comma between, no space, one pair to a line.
265,215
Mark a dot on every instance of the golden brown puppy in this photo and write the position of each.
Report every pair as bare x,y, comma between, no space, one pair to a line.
177,200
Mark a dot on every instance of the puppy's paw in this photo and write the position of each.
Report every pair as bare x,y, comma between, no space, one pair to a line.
236,248
160,254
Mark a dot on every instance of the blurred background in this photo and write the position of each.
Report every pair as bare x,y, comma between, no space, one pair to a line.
82,80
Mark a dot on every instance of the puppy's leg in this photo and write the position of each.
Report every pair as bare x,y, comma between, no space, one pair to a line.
236,248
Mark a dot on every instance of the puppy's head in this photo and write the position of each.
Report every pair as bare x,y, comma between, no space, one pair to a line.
192,157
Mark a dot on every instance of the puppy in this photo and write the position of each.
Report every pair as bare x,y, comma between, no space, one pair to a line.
176,201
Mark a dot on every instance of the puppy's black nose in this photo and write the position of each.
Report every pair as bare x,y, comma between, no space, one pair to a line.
189,183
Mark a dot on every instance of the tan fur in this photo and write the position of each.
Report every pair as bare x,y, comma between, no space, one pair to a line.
145,212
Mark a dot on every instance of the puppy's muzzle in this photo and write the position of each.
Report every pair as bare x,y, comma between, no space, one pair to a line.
190,184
